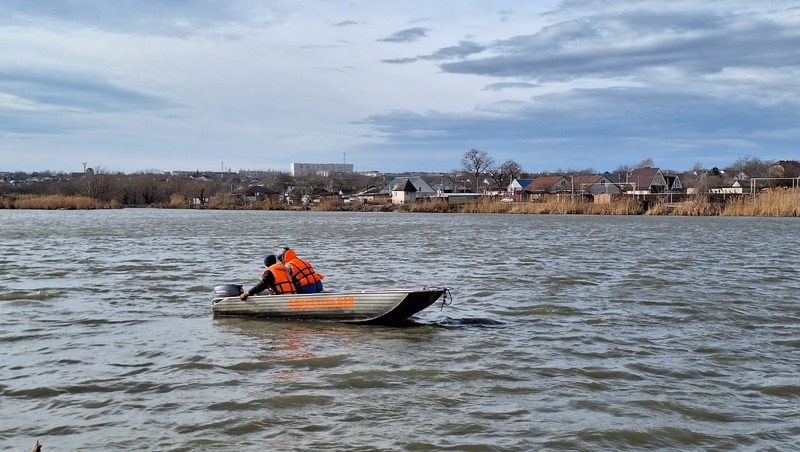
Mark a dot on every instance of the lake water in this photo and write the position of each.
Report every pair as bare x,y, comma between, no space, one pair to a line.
566,333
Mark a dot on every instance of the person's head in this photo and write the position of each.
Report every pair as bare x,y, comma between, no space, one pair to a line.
282,254
270,260
287,255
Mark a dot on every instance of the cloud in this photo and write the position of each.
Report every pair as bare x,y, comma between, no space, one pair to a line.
407,35
585,80
607,123
75,91
625,44
399,60
462,50
55,103
509,85
158,17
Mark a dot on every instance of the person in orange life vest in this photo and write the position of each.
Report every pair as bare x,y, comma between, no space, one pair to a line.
275,278
305,278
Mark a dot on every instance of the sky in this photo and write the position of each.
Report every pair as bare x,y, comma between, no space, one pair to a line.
396,86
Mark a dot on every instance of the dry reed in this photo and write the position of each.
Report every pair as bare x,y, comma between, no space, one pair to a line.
267,204
53,202
177,201
775,203
329,205
430,206
697,207
484,206
225,202
579,206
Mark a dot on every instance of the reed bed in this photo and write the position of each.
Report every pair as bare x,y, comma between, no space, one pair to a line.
430,206
335,205
698,207
267,204
563,206
578,206
483,206
55,202
225,202
776,203
177,201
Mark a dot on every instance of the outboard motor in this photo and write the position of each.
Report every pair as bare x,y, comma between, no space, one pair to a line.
227,290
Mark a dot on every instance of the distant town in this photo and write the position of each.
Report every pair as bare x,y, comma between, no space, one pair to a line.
478,178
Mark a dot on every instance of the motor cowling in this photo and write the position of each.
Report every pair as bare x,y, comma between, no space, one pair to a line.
228,290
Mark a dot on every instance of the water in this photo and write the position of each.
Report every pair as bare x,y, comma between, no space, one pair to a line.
567,333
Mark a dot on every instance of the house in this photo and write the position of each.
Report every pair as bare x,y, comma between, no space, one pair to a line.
404,192
673,183
423,189
259,192
647,180
595,184
444,187
517,185
785,168
738,187
371,195
548,184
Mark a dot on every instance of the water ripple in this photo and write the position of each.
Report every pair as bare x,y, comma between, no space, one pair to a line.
567,332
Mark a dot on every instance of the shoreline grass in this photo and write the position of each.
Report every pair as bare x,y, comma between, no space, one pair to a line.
55,202
776,203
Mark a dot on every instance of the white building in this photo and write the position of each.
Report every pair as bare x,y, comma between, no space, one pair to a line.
320,169
404,192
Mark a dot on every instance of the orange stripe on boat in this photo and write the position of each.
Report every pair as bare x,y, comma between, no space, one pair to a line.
305,304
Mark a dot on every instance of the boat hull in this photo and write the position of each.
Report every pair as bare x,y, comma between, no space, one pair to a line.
390,306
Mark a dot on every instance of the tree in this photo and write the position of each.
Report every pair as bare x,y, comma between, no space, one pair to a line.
476,163
750,166
97,184
503,175
647,163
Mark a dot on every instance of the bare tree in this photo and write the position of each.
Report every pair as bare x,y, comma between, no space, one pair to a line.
97,184
646,163
503,175
750,166
476,163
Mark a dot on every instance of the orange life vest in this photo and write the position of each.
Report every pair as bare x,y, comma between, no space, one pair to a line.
302,272
283,281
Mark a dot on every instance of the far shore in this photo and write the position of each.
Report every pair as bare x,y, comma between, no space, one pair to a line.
777,203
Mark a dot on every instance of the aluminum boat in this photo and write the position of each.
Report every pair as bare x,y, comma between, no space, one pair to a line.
368,306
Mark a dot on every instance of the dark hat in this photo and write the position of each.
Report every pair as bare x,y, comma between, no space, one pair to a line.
270,259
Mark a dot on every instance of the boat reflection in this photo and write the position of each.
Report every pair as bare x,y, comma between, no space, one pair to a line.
286,341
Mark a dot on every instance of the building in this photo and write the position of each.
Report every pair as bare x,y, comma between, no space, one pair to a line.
404,192
423,190
320,169
644,180
594,184
517,185
785,168
549,184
